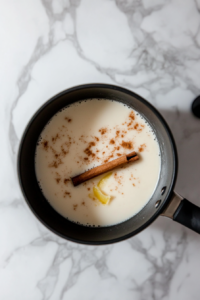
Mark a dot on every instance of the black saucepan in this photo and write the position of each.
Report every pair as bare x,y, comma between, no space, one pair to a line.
164,200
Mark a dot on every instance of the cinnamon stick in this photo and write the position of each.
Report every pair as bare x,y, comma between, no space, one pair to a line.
104,168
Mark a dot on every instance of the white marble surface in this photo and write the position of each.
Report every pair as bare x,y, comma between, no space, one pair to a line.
149,46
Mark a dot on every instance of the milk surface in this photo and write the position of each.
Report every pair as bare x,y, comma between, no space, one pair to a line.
88,134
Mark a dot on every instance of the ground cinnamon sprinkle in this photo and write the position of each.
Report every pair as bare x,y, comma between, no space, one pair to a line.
63,150
88,150
68,119
83,203
57,180
45,144
142,147
55,163
119,154
54,138
66,193
112,141
103,130
127,145
57,155
66,180
108,158
138,127
117,133
96,138
132,118
118,179
75,206
132,115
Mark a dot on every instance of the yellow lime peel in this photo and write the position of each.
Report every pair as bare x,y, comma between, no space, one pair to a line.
97,190
103,180
104,199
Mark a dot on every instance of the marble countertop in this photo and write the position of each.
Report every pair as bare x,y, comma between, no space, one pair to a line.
150,47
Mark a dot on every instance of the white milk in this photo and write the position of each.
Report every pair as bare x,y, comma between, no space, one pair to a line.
88,134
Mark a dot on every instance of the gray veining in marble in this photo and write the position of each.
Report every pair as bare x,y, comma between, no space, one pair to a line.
149,47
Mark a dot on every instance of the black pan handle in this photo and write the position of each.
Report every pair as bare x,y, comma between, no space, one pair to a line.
188,215
183,211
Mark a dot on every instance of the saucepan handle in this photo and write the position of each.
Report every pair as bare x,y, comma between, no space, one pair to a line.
184,212
188,214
